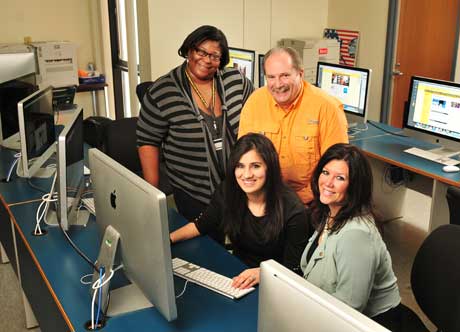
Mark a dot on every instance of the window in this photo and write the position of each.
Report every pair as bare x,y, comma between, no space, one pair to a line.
119,44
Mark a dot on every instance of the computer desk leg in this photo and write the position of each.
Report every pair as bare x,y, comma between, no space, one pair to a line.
439,214
31,321
93,97
3,256
106,99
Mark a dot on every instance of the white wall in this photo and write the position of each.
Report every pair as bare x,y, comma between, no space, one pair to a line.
250,24
46,20
370,19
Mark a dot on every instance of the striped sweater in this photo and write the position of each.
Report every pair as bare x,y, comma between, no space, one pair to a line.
170,119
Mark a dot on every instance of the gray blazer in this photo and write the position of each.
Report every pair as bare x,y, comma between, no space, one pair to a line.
354,266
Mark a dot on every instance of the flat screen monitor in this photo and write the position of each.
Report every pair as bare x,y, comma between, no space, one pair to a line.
36,130
243,60
138,212
70,173
11,92
63,98
288,303
433,114
348,84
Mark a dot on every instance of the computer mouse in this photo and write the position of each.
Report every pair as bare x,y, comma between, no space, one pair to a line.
450,168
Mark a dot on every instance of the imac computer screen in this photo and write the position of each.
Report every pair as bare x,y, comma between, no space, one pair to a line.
70,177
350,85
37,130
137,211
433,114
243,60
11,92
288,303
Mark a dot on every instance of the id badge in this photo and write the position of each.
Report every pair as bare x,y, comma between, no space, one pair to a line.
218,144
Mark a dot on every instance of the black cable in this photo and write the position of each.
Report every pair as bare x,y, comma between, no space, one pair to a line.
385,130
77,249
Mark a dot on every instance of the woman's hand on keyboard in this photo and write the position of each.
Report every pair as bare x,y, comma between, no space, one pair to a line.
247,278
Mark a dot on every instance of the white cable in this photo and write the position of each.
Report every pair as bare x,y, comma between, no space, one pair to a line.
82,279
17,157
183,290
92,308
96,285
43,207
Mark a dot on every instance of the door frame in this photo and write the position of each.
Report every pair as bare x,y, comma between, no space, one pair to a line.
390,54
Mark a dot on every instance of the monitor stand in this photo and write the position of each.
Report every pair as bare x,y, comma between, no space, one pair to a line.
13,142
42,172
75,216
124,299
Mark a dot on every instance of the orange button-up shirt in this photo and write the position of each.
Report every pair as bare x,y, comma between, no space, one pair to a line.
300,134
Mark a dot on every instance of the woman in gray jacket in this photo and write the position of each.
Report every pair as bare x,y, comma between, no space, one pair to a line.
346,255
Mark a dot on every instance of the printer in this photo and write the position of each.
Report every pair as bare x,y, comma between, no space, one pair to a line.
57,63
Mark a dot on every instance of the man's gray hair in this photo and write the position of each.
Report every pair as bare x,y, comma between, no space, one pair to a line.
295,57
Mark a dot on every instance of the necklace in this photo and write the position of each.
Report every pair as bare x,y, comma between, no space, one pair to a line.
210,107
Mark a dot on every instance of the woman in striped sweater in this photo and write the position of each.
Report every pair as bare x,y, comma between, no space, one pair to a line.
192,113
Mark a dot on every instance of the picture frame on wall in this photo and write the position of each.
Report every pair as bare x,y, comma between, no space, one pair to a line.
243,60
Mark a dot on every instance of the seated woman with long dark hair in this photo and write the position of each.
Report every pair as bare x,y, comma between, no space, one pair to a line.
346,256
262,217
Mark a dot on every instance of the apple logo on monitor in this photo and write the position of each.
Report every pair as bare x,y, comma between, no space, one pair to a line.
113,199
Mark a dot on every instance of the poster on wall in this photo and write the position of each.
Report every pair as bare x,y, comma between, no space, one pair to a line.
349,41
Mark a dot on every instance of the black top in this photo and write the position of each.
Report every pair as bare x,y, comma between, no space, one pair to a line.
250,247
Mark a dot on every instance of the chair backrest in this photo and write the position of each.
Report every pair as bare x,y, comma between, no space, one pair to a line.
453,200
436,275
121,143
141,89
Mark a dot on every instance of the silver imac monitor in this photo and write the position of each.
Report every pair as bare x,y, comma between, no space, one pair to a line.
433,114
289,303
138,212
37,132
70,179
348,84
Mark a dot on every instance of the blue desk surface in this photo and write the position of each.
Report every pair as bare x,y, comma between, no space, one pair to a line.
390,148
198,309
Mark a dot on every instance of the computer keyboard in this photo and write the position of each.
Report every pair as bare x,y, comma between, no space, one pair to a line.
206,278
89,205
432,156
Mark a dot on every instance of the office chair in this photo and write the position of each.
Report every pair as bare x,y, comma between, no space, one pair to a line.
453,200
121,143
435,277
164,184
141,89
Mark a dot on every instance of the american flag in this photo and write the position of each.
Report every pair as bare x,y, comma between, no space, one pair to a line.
348,44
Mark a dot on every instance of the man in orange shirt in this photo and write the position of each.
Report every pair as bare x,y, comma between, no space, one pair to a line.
301,120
